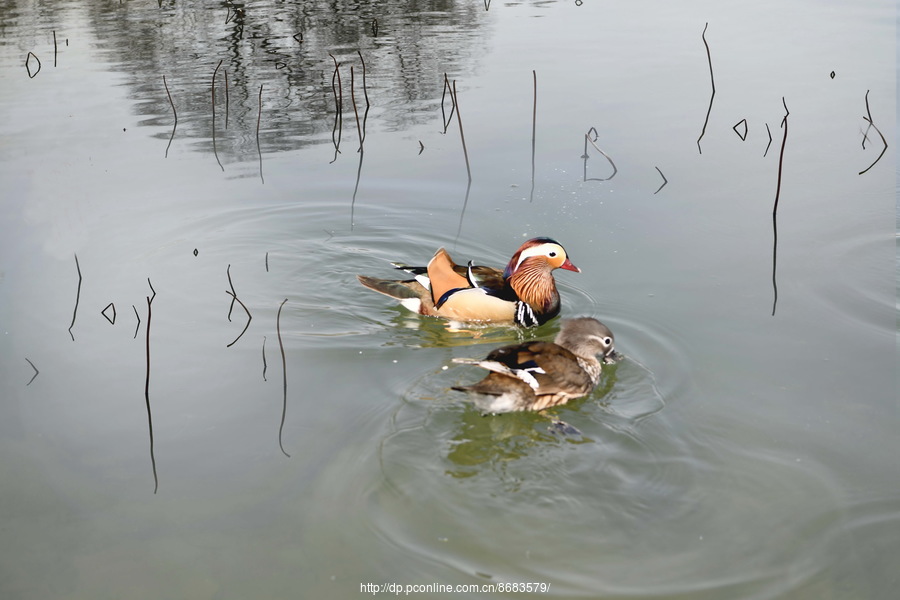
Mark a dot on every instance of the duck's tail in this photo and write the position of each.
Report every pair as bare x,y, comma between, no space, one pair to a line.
400,290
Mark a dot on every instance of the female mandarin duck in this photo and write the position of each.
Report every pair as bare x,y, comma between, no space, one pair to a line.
524,293
537,375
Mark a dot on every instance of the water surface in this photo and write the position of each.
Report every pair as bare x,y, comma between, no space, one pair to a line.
745,449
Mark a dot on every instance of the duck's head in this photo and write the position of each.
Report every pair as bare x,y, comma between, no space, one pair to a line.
586,336
545,251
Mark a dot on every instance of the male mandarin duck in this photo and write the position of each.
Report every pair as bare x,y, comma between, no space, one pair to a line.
536,375
524,293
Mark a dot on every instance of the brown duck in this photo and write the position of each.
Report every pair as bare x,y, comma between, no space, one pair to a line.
524,293
536,375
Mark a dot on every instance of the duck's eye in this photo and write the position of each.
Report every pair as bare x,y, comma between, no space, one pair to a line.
607,341
552,254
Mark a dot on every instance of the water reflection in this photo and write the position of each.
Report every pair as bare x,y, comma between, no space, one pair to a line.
490,441
287,46
474,442
784,126
150,300
712,94
77,298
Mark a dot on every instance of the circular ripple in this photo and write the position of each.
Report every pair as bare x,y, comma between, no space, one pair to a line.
865,291
618,510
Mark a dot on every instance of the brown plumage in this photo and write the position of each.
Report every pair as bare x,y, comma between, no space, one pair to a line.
537,375
524,293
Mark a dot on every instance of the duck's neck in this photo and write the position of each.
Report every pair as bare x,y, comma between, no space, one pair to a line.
534,285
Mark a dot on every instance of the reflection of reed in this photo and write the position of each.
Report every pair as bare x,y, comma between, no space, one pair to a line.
784,125
592,141
28,58
338,92
444,116
448,87
769,131
234,299
533,132
233,295
138,326
225,71
265,366
35,371
743,135
712,82
356,186
365,91
665,181
112,321
174,113
462,213
258,118
77,298
147,389
284,378
462,135
238,17
213,88
360,130
868,119
54,48
249,318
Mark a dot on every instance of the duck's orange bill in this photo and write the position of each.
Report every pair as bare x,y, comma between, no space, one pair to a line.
569,266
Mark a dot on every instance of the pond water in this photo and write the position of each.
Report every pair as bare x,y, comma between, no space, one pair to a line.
165,155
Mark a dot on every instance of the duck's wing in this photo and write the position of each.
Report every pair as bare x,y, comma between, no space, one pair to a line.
518,361
486,277
442,275
476,275
553,369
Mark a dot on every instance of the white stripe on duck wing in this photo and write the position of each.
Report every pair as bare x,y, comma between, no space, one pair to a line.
476,275
524,293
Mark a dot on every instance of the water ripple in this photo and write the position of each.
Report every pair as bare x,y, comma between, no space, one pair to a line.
447,470
866,293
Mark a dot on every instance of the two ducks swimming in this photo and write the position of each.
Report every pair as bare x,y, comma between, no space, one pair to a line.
529,376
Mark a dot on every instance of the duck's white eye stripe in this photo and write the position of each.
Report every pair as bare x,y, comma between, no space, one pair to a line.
539,250
606,341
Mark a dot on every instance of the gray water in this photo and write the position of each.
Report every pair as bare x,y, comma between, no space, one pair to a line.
746,448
